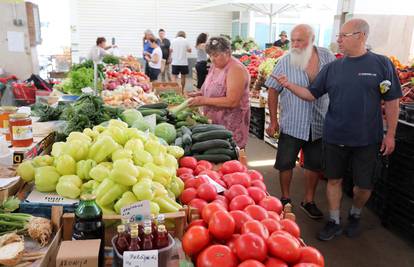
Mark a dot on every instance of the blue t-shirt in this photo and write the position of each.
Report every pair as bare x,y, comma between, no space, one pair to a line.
354,116
147,47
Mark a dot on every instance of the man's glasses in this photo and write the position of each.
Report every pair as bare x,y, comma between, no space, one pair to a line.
344,35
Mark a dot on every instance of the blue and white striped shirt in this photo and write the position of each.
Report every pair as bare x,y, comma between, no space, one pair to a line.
298,117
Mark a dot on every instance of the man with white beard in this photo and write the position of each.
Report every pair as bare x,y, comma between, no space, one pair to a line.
300,121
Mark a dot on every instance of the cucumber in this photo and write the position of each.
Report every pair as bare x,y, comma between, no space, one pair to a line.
206,127
206,145
181,124
214,158
185,130
210,135
160,105
160,118
182,116
222,151
179,142
187,140
146,112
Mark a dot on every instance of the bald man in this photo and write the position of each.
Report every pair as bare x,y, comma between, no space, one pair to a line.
301,122
353,128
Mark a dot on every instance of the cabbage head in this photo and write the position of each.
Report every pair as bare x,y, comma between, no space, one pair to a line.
130,116
166,131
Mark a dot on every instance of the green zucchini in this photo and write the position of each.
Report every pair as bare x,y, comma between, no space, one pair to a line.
210,135
206,127
181,124
182,116
214,158
160,118
221,151
187,140
185,130
206,145
160,105
146,112
179,142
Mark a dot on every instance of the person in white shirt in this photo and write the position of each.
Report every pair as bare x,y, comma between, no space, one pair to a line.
99,50
154,59
179,49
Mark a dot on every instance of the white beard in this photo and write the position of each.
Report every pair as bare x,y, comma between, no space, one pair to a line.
300,58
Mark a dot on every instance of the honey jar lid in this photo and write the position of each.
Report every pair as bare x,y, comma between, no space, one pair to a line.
8,109
18,116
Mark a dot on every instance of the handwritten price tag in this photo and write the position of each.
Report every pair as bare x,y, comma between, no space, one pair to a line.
218,187
145,258
136,212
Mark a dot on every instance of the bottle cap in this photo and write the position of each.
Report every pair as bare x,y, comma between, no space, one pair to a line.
161,228
147,230
88,197
134,233
133,226
120,228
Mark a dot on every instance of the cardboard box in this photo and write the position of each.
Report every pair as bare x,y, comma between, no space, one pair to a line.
41,145
77,253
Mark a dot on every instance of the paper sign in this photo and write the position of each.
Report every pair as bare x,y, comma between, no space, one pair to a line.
136,212
5,182
15,41
218,187
151,119
145,258
49,198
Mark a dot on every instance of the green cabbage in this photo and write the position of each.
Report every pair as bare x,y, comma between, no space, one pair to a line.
166,131
143,125
130,116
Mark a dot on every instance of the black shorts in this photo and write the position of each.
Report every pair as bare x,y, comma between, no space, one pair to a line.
153,73
288,149
177,69
362,160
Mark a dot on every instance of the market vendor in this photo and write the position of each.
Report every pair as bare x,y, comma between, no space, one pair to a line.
301,122
154,60
283,42
99,50
353,127
225,92
147,49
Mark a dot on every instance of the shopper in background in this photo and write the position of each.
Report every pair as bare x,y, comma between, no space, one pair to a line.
147,47
179,49
154,60
301,122
201,66
99,50
165,45
283,42
225,92
353,128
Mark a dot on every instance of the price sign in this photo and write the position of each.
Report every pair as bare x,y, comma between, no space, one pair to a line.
151,119
136,212
218,187
145,258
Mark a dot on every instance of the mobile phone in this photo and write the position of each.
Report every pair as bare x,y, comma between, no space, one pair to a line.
113,40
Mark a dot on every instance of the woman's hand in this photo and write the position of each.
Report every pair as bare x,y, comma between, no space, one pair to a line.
194,93
197,101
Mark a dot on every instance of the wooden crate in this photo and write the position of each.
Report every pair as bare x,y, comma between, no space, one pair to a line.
111,221
160,87
12,188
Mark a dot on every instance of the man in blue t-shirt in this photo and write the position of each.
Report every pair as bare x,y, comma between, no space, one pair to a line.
353,128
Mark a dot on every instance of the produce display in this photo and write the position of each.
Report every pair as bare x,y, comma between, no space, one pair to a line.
128,96
241,46
267,66
252,63
120,165
210,142
172,98
130,62
273,52
121,76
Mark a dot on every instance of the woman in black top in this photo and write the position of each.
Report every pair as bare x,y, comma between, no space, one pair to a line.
201,66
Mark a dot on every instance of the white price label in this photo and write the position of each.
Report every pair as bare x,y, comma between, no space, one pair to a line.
136,212
151,119
218,187
145,258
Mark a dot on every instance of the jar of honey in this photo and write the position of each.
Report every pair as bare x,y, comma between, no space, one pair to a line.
4,120
21,130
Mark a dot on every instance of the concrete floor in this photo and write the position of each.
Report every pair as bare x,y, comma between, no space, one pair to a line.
375,247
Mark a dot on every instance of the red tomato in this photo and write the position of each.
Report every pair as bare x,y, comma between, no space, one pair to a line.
251,246
245,168
231,167
311,255
222,203
212,174
274,215
256,193
198,222
199,169
188,162
291,227
283,247
251,263
206,164
186,176
273,262
190,183
195,239
271,204
235,190
271,225
255,227
187,195
184,170
256,212
240,202
209,211
231,243
217,255
302,264
237,178
207,192
255,175
240,217
260,184
221,182
221,225
284,233
198,204
222,198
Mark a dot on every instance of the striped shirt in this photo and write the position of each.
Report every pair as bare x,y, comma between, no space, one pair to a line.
299,118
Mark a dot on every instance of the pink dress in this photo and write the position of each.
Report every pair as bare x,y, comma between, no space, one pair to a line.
235,119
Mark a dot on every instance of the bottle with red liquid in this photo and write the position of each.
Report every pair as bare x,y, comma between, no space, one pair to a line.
162,237
127,233
147,242
134,245
122,243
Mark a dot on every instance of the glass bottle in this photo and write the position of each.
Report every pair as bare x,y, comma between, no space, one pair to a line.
21,130
147,242
162,237
122,243
134,245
